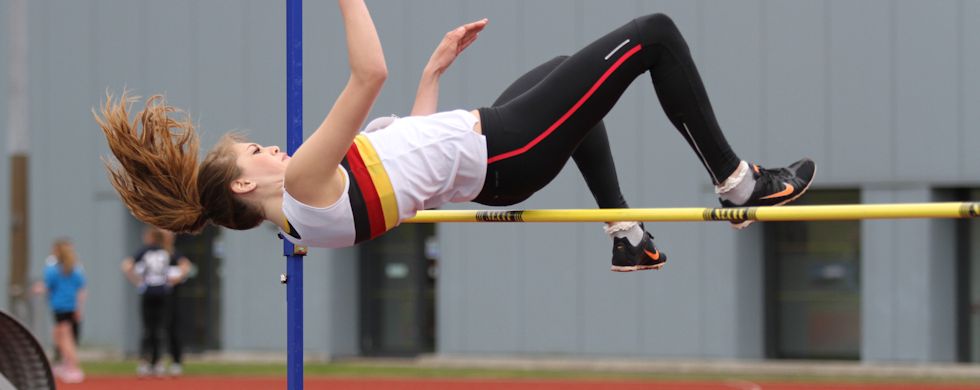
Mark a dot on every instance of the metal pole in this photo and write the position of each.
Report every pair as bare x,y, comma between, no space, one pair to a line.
17,143
294,138
785,213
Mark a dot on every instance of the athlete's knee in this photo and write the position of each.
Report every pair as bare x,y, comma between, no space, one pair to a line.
656,21
658,28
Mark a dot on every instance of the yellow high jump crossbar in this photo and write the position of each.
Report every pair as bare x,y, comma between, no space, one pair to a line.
769,213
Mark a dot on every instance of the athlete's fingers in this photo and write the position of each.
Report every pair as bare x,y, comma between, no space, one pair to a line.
477,25
467,42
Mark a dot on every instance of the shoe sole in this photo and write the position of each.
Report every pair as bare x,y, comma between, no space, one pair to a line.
745,224
620,268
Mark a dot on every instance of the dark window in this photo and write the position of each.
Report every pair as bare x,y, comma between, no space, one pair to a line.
397,274
813,284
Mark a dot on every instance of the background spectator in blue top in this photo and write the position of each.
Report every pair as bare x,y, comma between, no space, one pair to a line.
65,286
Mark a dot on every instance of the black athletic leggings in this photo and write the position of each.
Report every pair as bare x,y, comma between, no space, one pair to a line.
593,157
159,314
559,106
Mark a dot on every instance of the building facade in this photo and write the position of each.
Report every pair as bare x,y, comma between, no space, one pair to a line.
879,93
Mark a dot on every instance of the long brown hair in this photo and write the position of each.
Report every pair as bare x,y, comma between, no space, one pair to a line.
64,252
158,176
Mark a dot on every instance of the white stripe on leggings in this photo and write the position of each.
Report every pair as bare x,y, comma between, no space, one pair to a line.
616,49
700,155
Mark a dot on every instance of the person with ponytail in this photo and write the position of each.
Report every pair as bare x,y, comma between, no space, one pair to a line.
344,186
64,283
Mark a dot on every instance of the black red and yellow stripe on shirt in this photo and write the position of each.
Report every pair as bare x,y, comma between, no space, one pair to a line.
372,199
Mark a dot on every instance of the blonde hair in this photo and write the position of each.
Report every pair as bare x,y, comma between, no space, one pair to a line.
158,176
65,254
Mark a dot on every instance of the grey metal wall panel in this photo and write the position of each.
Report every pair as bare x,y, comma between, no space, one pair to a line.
168,50
969,89
912,290
942,255
731,66
612,322
4,173
860,93
317,296
901,282
219,72
455,245
551,298
108,290
495,291
393,26
797,71
252,299
38,57
449,294
264,73
39,96
749,315
879,317
926,90
340,316
452,288
720,303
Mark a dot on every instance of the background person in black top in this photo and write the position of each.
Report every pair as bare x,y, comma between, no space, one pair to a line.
156,270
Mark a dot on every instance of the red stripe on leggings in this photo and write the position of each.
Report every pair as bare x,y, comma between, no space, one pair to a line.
570,112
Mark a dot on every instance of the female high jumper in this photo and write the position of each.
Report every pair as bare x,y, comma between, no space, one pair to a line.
344,186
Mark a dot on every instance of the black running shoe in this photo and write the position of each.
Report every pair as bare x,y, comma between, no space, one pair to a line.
629,258
776,187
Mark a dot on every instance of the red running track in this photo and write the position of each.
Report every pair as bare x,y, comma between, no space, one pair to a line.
314,383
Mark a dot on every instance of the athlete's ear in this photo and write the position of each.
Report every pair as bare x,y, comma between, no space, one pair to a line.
242,186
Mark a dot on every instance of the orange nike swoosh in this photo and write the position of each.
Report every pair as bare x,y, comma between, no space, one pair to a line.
655,255
788,189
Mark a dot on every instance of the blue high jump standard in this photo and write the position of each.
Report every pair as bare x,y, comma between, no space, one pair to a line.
294,138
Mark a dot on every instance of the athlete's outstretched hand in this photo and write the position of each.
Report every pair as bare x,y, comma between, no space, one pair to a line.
427,97
454,43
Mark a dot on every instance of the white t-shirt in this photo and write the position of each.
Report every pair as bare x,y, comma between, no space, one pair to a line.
429,161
